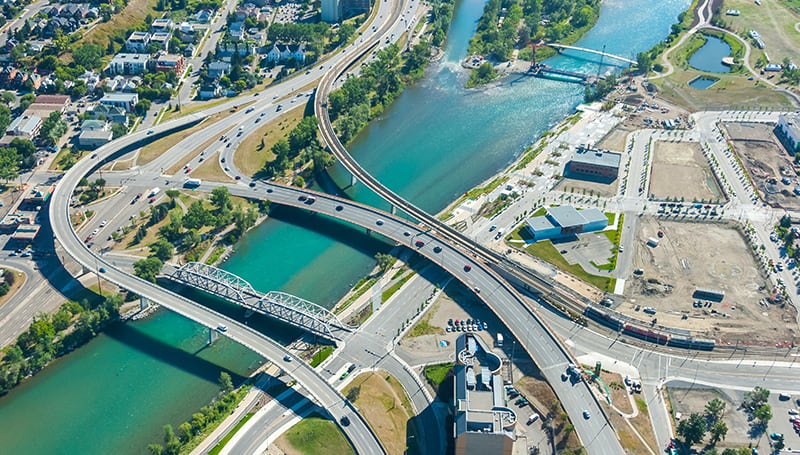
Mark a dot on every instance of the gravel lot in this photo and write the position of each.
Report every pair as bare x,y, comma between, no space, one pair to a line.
681,171
711,256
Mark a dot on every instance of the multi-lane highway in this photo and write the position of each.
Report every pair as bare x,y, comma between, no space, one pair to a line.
596,434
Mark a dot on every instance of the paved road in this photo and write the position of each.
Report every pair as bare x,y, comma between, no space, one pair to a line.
359,433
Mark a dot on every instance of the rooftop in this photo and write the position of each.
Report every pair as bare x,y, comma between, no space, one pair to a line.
792,121
597,157
116,96
566,216
130,58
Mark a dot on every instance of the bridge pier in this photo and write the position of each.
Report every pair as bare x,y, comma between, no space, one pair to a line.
353,180
394,210
212,336
143,303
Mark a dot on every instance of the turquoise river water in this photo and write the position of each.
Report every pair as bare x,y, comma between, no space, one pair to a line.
436,141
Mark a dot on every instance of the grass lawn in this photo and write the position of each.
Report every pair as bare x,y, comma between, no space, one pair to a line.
315,436
546,251
321,355
131,16
386,407
774,21
218,448
435,374
211,170
423,327
178,166
388,293
250,157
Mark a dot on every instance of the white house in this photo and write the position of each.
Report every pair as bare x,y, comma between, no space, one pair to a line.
283,52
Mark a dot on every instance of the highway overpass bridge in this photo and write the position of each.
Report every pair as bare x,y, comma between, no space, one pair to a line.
361,436
597,435
278,305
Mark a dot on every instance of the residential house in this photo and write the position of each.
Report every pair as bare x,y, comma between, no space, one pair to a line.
243,48
128,64
210,90
162,25
203,16
218,69
94,125
189,51
125,101
236,31
161,39
44,105
138,42
170,62
65,25
283,52
76,11
91,139
25,126
91,79
186,32
111,113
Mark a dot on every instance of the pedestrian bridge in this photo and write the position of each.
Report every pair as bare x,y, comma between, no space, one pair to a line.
278,305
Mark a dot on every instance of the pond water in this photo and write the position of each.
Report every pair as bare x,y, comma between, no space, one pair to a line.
709,57
702,82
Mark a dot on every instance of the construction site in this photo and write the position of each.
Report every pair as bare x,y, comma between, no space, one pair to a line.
702,277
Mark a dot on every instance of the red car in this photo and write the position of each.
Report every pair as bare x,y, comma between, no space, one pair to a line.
419,243
467,268
88,239
188,170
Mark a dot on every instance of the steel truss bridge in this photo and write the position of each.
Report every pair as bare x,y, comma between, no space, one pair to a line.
278,305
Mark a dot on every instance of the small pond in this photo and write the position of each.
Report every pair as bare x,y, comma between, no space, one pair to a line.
709,57
702,82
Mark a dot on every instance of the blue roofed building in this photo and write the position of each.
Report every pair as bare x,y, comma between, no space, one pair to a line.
565,221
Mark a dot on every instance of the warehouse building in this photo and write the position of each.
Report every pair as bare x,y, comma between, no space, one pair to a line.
564,221
593,164
788,132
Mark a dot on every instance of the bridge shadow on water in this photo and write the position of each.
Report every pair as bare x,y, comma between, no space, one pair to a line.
164,352
340,231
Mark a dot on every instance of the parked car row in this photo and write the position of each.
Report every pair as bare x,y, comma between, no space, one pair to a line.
466,325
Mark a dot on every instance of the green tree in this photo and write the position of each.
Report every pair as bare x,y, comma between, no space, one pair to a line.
763,414
172,194
225,381
148,269
88,55
384,261
142,107
5,117
718,431
9,163
185,431
197,216
8,97
52,128
304,134
221,198
692,429
26,100
754,399
155,449
714,410
162,250
191,238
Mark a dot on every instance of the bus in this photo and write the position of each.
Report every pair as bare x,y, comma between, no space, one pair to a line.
192,183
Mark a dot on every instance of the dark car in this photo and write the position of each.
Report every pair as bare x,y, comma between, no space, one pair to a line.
467,268
339,208
419,243
102,270
252,184
437,249
302,198
269,190
345,421
238,177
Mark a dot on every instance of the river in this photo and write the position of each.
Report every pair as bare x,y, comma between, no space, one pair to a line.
435,142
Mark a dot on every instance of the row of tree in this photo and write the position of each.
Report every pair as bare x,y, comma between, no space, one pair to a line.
380,81
208,417
51,336
301,147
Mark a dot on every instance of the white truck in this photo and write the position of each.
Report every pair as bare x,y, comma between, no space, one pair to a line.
153,192
499,340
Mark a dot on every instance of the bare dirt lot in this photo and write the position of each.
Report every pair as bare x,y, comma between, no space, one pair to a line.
710,256
766,161
587,187
681,171
693,400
